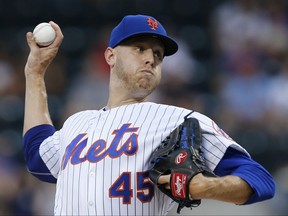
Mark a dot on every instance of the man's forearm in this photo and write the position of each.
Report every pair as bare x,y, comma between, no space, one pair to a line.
36,105
228,188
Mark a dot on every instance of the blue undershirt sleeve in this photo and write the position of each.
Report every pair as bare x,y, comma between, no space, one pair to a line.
239,164
32,140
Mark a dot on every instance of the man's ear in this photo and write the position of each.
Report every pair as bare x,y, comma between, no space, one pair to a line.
110,56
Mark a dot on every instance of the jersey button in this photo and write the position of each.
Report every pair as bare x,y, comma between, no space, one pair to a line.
92,174
91,203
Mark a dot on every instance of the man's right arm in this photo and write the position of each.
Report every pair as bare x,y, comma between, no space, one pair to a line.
37,124
36,107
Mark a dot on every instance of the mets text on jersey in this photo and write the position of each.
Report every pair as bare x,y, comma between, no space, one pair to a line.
98,150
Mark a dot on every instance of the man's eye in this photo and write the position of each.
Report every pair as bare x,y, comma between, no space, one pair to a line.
158,55
140,49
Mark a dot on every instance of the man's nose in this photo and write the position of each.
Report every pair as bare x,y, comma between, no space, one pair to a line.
149,56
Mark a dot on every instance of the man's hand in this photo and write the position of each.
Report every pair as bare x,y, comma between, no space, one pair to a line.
40,57
195,183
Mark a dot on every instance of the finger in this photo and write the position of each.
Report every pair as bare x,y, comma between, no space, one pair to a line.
31,40
59,34
167,187
164,179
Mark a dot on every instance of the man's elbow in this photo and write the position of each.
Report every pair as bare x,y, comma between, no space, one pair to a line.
266,192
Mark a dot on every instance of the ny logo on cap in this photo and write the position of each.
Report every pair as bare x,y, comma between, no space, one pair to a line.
153,23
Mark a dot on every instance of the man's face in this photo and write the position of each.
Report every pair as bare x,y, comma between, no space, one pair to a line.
138,64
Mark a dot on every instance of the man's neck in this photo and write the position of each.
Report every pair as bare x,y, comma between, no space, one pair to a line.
119,95
116,103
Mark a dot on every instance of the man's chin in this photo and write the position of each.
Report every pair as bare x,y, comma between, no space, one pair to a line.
147,85
142,92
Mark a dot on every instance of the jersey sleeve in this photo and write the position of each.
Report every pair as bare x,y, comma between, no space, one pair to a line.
50,153
32,140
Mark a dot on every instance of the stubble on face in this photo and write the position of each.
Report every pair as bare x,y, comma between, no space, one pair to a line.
136,82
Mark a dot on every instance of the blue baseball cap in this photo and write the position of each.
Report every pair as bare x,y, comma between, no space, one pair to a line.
133,25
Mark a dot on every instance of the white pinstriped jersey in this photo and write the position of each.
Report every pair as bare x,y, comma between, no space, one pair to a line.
100,158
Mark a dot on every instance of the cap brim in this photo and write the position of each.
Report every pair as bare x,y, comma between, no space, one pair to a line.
170,45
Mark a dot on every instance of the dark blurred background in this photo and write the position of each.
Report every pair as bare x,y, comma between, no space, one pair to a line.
232,66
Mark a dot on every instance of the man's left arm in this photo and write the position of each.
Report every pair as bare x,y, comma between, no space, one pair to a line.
241,181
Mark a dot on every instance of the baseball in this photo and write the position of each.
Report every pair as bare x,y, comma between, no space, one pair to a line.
44,34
